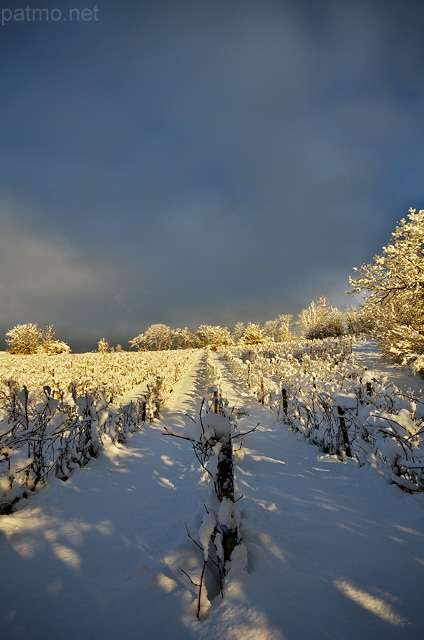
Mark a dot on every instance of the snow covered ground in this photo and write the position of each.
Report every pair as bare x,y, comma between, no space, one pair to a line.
367,355
334,553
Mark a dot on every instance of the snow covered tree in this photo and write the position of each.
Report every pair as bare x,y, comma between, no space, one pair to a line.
27,339
139,342
50,345
103,346
334,326
279,329
284,330
238,330
157,337
311,319
24,338
54,347
213,335
183,338
359,321
271,329
253,334
393,286
319,320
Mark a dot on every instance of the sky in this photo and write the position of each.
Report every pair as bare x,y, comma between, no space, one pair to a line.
208,161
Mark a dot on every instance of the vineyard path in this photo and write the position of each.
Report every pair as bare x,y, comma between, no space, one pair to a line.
334,553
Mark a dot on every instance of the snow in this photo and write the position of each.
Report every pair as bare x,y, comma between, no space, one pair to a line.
220,425
329,550
205,532
228,514
345,400
368,356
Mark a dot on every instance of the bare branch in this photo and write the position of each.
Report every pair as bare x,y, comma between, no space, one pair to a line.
200,416
241,435
175,435
193,583
191,537
200,588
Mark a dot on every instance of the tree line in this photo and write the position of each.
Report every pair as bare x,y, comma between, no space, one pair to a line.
318,320
392,310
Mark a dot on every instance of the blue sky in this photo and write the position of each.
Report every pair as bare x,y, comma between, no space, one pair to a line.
202,161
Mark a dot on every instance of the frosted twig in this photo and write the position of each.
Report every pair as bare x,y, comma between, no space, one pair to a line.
241,435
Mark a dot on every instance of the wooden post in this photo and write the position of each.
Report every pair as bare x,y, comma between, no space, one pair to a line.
225,486
285,403
225,489
343,429
225,480
216,402
262,398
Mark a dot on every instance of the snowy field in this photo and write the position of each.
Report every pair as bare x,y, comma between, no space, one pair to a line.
333,551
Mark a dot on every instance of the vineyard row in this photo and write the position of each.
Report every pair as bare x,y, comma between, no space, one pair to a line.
318,390
53,420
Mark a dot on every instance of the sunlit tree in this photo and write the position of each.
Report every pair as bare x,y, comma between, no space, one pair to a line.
139,342
213,335
27,339
103,346
319,320
157,337
24,338
253,334
359,321
54,347
280,329
393,288
183,338
238,330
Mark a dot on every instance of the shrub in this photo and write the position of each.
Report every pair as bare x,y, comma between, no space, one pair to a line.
28,339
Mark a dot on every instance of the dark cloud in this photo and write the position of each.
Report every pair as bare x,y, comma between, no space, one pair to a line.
203,162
